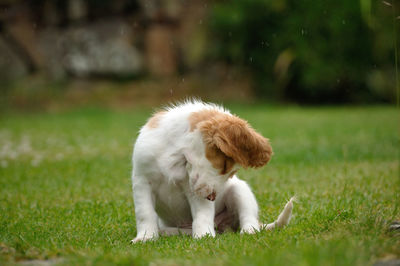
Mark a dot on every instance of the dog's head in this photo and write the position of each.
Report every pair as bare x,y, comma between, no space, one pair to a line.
224,143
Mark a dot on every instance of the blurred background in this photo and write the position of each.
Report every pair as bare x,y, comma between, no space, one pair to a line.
61,53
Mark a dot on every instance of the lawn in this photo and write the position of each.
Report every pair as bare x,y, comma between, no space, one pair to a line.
65,189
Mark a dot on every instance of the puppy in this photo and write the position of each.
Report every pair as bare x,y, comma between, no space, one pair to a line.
184,164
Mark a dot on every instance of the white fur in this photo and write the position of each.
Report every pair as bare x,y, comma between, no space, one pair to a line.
172,178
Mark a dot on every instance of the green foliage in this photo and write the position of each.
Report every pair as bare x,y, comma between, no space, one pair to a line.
309,51
65,190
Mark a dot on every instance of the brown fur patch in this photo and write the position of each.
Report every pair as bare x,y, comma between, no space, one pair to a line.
229,137
219,160
155,119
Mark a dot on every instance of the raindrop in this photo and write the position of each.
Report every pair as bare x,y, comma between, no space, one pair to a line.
183,79
343,22
302,31
171,92
200,21
251,59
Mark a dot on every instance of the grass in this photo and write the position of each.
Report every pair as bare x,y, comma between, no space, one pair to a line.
65,190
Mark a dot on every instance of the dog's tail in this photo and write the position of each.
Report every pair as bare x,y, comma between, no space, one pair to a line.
283,218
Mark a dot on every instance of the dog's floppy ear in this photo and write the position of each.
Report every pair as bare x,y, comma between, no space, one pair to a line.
237,140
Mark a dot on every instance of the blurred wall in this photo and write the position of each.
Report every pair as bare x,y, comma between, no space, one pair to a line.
79,38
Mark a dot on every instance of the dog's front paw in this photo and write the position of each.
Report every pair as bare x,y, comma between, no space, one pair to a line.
250,229
199,232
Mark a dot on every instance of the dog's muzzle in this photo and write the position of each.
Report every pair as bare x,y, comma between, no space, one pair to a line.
212,196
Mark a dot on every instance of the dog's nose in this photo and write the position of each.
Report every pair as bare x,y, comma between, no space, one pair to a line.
212,196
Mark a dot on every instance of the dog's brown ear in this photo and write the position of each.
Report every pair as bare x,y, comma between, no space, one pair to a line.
237,140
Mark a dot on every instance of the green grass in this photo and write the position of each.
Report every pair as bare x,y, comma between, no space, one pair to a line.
65,189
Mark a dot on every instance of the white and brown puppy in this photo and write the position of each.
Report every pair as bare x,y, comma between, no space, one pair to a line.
184,164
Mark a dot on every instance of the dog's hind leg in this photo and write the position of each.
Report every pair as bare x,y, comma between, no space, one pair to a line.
283,218
240,200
